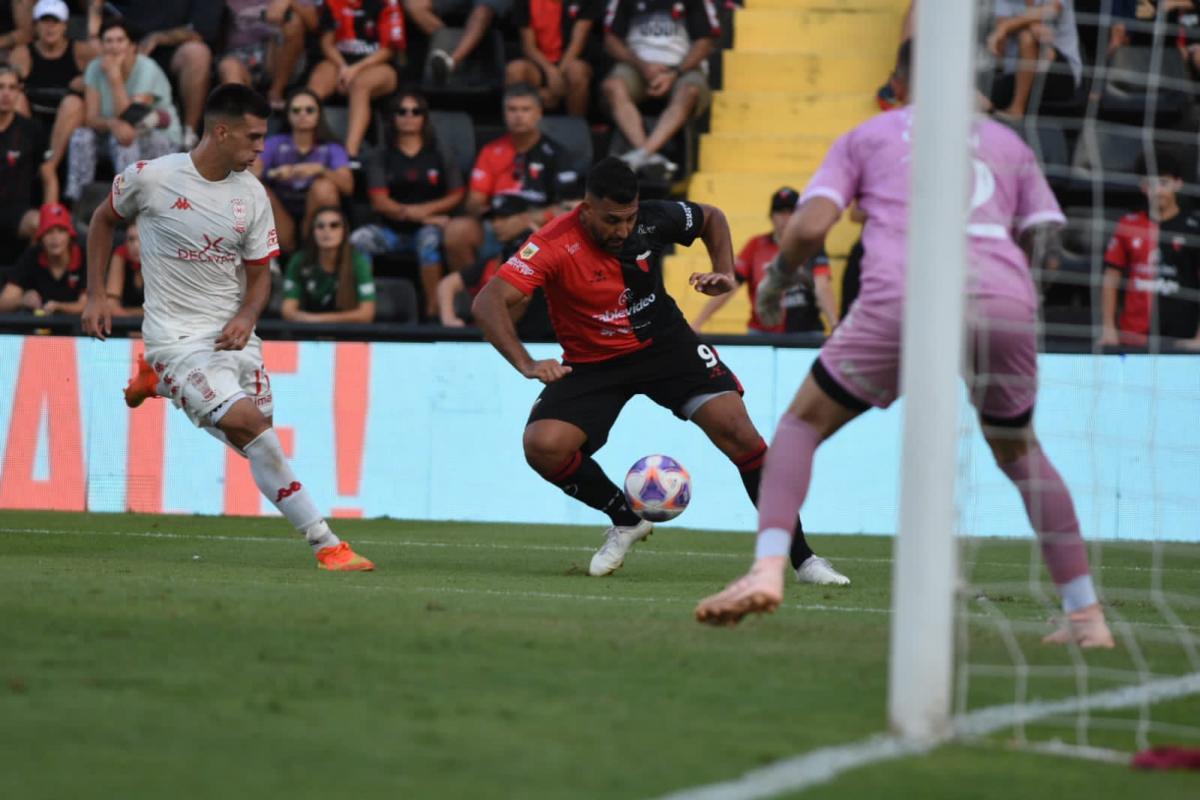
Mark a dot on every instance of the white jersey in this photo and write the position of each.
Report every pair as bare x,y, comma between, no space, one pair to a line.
195,234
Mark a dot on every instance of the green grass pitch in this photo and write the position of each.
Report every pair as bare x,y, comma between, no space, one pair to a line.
190,657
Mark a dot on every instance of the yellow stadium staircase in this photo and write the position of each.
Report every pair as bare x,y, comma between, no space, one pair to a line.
800,73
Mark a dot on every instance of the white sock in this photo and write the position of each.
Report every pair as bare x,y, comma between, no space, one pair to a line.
1078,593
773,542
278,484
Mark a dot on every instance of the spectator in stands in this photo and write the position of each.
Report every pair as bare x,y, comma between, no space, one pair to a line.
129,110
16,26
1037,42
179,35
304,168
413,184
328,281
524,162
511,218
264,40
555,40
662,49
1152,267
1180,26
125,287
18,170
360,41
51,68
444,54
802,305
886,96
50,276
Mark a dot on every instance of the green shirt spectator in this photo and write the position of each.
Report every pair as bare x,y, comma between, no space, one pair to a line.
327,280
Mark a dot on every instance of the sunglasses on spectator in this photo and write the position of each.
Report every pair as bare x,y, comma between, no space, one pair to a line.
409,111
335,224
302,110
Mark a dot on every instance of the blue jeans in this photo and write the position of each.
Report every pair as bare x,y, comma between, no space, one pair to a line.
378,240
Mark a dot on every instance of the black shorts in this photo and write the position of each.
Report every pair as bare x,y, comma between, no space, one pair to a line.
671,372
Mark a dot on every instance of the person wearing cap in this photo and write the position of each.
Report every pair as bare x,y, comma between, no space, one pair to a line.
50,276
413,184
804,304
51,69
510,217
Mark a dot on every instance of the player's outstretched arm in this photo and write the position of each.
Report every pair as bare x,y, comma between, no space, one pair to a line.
97,314
714,232
492,310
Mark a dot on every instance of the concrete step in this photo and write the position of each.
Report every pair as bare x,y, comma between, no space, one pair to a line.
818,30
756,152
807,72
794,112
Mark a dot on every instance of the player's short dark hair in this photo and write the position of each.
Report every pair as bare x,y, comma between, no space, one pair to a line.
522,89
9,69
233,101
1165,164
612,179
904,60
123,24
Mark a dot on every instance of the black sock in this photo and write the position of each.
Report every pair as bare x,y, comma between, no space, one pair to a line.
582,478
751,471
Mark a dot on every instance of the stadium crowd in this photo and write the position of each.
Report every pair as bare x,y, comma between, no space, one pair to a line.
415,142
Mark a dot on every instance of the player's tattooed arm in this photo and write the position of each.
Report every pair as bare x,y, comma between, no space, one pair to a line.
493,312
1043,247
805,233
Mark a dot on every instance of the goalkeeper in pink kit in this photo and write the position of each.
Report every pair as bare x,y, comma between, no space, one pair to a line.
859,366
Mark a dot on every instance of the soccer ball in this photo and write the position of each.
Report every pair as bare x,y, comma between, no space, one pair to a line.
658,488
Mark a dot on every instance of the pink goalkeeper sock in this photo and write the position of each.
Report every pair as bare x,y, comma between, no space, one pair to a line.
785,479
1051,513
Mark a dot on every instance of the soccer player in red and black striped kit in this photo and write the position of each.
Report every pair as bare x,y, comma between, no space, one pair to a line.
623,335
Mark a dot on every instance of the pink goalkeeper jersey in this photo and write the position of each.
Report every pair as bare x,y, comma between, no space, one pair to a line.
872,164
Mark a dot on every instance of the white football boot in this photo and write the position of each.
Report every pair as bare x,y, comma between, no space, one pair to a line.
820,572
617,542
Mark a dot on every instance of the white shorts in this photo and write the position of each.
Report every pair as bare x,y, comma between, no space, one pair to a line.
203,381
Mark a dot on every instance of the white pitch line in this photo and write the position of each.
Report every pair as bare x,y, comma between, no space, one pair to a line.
498,546
820,766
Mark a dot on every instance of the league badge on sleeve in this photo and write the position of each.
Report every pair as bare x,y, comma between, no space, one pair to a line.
529,251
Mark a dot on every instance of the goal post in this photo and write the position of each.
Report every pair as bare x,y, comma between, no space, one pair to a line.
921,662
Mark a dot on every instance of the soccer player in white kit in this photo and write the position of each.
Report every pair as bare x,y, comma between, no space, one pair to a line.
859,366
208,236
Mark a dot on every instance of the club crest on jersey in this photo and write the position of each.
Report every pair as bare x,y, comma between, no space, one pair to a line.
535,169
13,156
529,251
238,206
118,184
643,261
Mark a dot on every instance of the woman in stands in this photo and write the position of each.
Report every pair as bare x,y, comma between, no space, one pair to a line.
125,287
328,281
51,69
361,40
413,184
304,168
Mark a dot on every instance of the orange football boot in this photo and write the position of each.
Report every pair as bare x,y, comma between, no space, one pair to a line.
340,558
141,386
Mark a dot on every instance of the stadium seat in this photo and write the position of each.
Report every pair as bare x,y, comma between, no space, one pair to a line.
573,134
338,119
1135,80
454,130
1049,144
395,300
481,74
